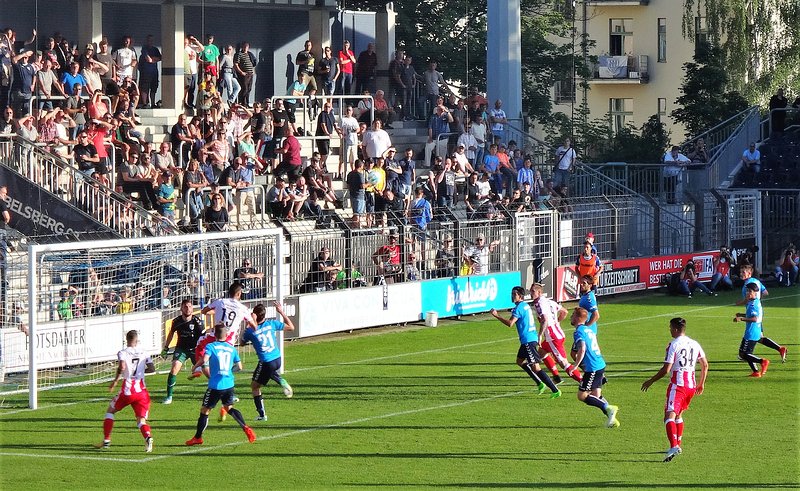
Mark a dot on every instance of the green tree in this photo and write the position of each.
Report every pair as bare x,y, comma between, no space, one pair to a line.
706,100
759,39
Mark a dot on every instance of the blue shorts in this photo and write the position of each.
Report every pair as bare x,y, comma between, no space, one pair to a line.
529,352
359,205
213,396
591,381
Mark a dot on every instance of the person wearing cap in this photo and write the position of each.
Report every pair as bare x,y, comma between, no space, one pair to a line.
478,254
387,259
468,143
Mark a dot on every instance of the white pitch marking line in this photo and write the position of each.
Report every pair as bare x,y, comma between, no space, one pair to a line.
71,457
439,350
63,404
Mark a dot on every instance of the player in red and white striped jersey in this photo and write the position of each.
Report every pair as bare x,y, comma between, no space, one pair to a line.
550,313
683,354
133,363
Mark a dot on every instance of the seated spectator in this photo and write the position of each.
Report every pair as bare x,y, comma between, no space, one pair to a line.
722,268
320,186
411,270
126,302
8,125
689,281
215,218
387,259
787,267
383,111
322,272
247,275
751,159
181,140
66,305
699,154
133,182
507,170
350,279
278,199
363,111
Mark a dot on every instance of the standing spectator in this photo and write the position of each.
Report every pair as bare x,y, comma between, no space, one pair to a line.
751,159
479,131
469,144
85,154
365,70
193,182
180,138
210,57
306,62
438,124
376,141
445,184
446,259
125,59
507,171
674,165
167,196
191,49
699,154
241,179
347,60
498,120
526,174
72,82
777,108
408,174
356,184
565,163
109,77
327,72
327,130
408,81
395,80
478,255
297,89
148,72
432,79
349,129
291,164
421,212
46,81
229,81
245,65
588,264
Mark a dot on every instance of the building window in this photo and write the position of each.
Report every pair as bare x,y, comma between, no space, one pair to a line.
662,40
620,111
662,107
621,41
564,91
700,31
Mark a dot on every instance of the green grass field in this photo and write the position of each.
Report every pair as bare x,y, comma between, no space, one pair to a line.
445,407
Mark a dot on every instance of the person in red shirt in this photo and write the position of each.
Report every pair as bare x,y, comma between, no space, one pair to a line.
291,164
387,258
722,270
347,59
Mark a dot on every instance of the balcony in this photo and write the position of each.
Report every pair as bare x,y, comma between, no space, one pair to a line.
633,69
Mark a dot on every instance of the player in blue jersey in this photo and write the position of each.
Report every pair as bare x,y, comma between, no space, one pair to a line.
218,362
586,352
753,318
746,273
265,341
588,301
528,355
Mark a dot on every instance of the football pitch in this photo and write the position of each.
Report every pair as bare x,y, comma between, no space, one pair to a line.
445,407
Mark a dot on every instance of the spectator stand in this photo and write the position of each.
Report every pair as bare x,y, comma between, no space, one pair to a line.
101,202
305,244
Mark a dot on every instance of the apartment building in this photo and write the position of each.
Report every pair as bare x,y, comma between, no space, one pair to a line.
640,52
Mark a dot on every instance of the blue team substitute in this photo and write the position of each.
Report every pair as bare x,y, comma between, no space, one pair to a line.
267,346
586,352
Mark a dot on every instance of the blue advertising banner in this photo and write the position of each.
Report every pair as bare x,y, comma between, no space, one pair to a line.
468,294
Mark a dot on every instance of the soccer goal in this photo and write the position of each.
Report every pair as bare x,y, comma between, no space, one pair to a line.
66,307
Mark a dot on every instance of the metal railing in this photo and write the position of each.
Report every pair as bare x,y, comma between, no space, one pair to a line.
766,130
62,98
61,178
259,219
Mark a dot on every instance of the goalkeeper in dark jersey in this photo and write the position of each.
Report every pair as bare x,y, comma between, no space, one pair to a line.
189,328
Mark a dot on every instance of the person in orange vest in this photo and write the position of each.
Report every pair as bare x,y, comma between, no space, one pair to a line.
589,264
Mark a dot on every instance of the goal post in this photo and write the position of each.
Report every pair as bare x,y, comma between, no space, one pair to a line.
82,296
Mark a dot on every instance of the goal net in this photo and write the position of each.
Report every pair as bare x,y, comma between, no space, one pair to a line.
66,307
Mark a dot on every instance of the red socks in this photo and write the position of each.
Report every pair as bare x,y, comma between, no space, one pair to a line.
108,425
672,432
550,363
